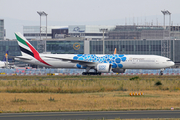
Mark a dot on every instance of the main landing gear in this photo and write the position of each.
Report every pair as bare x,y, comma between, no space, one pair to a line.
91,73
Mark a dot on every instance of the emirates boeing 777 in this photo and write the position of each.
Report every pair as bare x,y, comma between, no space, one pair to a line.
101,63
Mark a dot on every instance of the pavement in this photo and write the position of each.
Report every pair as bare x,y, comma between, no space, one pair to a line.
91,115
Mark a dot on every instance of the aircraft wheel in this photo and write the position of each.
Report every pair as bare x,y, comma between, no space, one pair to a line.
84,73
91,73
161,73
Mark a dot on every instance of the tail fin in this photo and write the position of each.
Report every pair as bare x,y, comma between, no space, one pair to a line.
115,51
27,49
5,56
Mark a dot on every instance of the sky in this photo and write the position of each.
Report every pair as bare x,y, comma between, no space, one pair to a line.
19,13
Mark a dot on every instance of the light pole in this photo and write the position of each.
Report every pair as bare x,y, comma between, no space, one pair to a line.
42,13
103,30
166,12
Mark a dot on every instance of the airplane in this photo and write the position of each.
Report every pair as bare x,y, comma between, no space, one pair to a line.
101,63
4,63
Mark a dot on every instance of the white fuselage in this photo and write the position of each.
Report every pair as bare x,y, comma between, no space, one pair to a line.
122,61
2,64
147,62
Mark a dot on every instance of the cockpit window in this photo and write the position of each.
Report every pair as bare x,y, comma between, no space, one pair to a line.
168,60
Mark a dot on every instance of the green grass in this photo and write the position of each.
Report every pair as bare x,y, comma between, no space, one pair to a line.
18,100
86,84
51,99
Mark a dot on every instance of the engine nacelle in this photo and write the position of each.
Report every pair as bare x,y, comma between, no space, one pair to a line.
117,70
104,67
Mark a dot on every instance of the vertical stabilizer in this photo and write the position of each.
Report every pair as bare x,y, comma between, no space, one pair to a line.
115,51
27,49
5,56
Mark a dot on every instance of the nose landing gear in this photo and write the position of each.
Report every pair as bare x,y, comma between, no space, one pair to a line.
161,72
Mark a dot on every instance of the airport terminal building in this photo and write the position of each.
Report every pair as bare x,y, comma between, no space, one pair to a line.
1,29
86,39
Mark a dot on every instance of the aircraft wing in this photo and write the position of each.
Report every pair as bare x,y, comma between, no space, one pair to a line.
74,61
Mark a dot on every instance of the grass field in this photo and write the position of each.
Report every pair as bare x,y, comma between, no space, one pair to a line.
78,93
22,102
86,84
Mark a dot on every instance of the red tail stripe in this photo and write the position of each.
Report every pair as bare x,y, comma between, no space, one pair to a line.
36,54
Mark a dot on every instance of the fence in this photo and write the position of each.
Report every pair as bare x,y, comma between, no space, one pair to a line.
33,71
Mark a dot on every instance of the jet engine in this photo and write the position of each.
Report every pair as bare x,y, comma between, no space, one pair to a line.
117,70
103,67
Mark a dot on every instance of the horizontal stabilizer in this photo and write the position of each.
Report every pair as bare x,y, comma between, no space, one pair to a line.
23,58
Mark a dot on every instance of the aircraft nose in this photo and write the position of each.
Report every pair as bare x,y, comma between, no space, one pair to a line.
172,63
